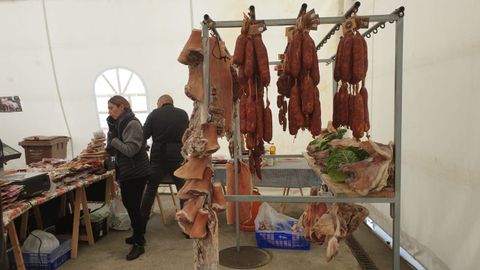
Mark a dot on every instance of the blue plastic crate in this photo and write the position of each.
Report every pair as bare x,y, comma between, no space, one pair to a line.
49,261
281,240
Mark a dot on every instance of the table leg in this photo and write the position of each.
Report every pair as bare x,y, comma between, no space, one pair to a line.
17,251
63,206
159,201
286,192
109,194
76,223
86,216
38,217
173,197
24,226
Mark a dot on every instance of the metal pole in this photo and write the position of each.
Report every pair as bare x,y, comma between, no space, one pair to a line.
398,139
206,74
310,199
236,157
323,20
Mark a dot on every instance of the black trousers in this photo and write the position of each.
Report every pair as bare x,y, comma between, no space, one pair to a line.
132,191
162,174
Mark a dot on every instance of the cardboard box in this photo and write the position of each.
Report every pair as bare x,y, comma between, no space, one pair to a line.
39,147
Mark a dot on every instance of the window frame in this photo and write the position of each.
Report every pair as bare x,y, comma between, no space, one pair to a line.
127,96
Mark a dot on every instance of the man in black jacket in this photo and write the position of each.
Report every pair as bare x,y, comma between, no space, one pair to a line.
166,126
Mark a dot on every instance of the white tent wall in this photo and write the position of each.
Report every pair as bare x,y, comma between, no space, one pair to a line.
26,71
441,55
440,142
87,38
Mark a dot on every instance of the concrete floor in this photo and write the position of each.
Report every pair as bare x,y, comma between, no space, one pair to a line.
168,249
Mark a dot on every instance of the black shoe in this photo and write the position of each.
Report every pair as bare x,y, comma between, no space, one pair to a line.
186,235
135,252
131,240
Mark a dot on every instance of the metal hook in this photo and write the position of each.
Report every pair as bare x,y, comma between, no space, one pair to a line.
382,25
375,31
368,35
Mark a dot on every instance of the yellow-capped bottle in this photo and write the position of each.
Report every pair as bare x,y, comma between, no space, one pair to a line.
273,151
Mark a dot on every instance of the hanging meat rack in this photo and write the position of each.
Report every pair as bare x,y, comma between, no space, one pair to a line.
396,17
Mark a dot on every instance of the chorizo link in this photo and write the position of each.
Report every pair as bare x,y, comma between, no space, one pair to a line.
296,54
365,55
239,53
307,94
337,72
336,110
295,116
315,72
251,115
346,60
358,62
358,117
262,60
364,94
267,122
316,124
249,59
308,51
243,114
342,105
259,116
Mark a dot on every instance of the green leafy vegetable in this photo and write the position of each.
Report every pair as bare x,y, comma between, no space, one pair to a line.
340,156
324,142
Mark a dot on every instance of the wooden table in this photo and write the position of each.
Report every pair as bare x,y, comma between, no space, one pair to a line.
80,201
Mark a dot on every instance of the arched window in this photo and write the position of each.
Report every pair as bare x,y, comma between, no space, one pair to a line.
124,82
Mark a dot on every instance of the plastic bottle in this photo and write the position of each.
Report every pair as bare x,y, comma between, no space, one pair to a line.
272,151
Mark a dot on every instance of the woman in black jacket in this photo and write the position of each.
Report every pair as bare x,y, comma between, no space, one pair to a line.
126,142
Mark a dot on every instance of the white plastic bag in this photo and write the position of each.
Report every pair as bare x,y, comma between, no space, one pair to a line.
40,242
270,220
119,215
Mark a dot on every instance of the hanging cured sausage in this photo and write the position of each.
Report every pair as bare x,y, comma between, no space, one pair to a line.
251,57
298,77
350,105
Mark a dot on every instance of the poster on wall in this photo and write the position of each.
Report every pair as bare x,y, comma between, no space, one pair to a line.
10,104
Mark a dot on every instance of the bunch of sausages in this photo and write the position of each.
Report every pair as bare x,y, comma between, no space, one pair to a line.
298,82
350,103
251,57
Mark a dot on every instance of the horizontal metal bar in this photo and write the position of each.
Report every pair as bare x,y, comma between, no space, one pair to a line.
282,156
323,20
308,199
271,63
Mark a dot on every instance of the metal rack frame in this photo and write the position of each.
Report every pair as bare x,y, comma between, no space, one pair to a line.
397,17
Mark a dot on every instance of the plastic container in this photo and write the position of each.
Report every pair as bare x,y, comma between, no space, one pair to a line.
281,240
38,147
49,261
272,151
